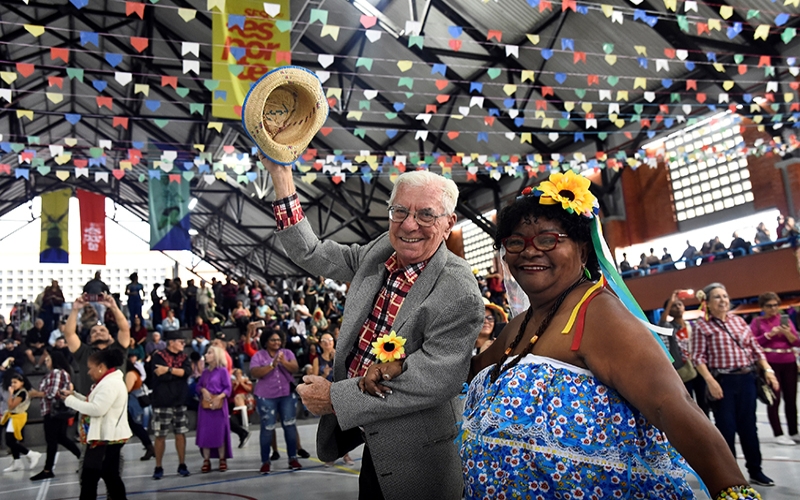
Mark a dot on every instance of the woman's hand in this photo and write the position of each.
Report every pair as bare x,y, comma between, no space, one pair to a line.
777,330
326,372
65,393
714,390
377,373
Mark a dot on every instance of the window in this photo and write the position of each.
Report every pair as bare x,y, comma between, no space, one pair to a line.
478,250
707,172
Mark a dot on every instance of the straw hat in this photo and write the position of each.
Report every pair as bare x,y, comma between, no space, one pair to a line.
283,111
503,317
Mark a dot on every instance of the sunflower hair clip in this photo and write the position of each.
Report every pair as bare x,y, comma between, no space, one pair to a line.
570,190
389,348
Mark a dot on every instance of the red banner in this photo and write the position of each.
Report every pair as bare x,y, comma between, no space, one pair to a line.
93,227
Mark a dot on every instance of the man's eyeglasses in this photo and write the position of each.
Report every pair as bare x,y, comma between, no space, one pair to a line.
424,217
544,242
771,305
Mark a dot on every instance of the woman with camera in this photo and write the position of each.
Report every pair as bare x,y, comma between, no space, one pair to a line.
777,336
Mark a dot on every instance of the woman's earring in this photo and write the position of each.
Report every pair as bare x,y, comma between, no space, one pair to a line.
587,273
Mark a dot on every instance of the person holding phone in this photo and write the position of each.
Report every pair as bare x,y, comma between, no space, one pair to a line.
94,291
777,336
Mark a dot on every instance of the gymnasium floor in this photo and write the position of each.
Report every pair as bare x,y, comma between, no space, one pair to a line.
314,482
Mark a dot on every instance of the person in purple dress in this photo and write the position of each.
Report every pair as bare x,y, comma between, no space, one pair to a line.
213,425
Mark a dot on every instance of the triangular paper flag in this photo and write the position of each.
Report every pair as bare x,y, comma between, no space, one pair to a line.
34,29
187,14
272,9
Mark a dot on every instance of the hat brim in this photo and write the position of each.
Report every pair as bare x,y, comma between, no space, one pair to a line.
303,101
499,310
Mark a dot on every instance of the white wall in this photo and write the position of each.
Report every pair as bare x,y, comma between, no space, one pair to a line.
127,248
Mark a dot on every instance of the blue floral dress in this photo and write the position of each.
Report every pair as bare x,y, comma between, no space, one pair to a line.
546,429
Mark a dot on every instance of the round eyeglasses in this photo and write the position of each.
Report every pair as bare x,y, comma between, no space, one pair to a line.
424,217
544,242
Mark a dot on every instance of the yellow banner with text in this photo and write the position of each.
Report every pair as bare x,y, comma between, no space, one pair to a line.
247,43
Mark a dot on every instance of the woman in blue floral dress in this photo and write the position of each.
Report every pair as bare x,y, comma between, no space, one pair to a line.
575,399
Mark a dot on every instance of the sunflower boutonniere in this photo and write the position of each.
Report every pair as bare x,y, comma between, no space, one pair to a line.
389,348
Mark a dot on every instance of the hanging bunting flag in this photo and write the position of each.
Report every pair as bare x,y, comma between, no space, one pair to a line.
93,227
54,243
229,37
169,213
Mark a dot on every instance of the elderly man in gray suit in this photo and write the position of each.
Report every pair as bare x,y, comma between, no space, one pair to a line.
405,281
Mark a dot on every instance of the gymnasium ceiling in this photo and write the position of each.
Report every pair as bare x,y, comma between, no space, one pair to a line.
452,52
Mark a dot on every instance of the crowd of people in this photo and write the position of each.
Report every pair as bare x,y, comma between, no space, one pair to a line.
785,235
572,375
242,356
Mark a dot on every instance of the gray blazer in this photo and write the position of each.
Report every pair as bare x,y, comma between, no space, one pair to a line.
410,433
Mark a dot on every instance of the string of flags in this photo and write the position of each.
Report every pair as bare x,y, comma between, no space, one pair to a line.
179,166
555,117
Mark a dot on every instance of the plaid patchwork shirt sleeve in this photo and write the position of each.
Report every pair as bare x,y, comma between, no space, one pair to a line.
288,211
712,346
50,385
380,320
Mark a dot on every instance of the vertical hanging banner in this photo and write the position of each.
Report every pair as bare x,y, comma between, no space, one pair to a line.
247,44
169,213
54,245
93,227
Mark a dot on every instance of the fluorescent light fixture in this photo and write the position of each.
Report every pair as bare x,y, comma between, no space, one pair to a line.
192,203
658,142
193,232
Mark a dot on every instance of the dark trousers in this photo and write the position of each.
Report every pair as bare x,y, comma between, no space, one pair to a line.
735,414
697,389
368,486
102,462
236,427
16,448
786,373
140,432
55,433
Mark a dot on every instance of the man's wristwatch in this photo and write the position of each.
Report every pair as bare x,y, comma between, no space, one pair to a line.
169,370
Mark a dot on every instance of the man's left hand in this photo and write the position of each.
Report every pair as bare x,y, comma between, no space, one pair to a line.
316,394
